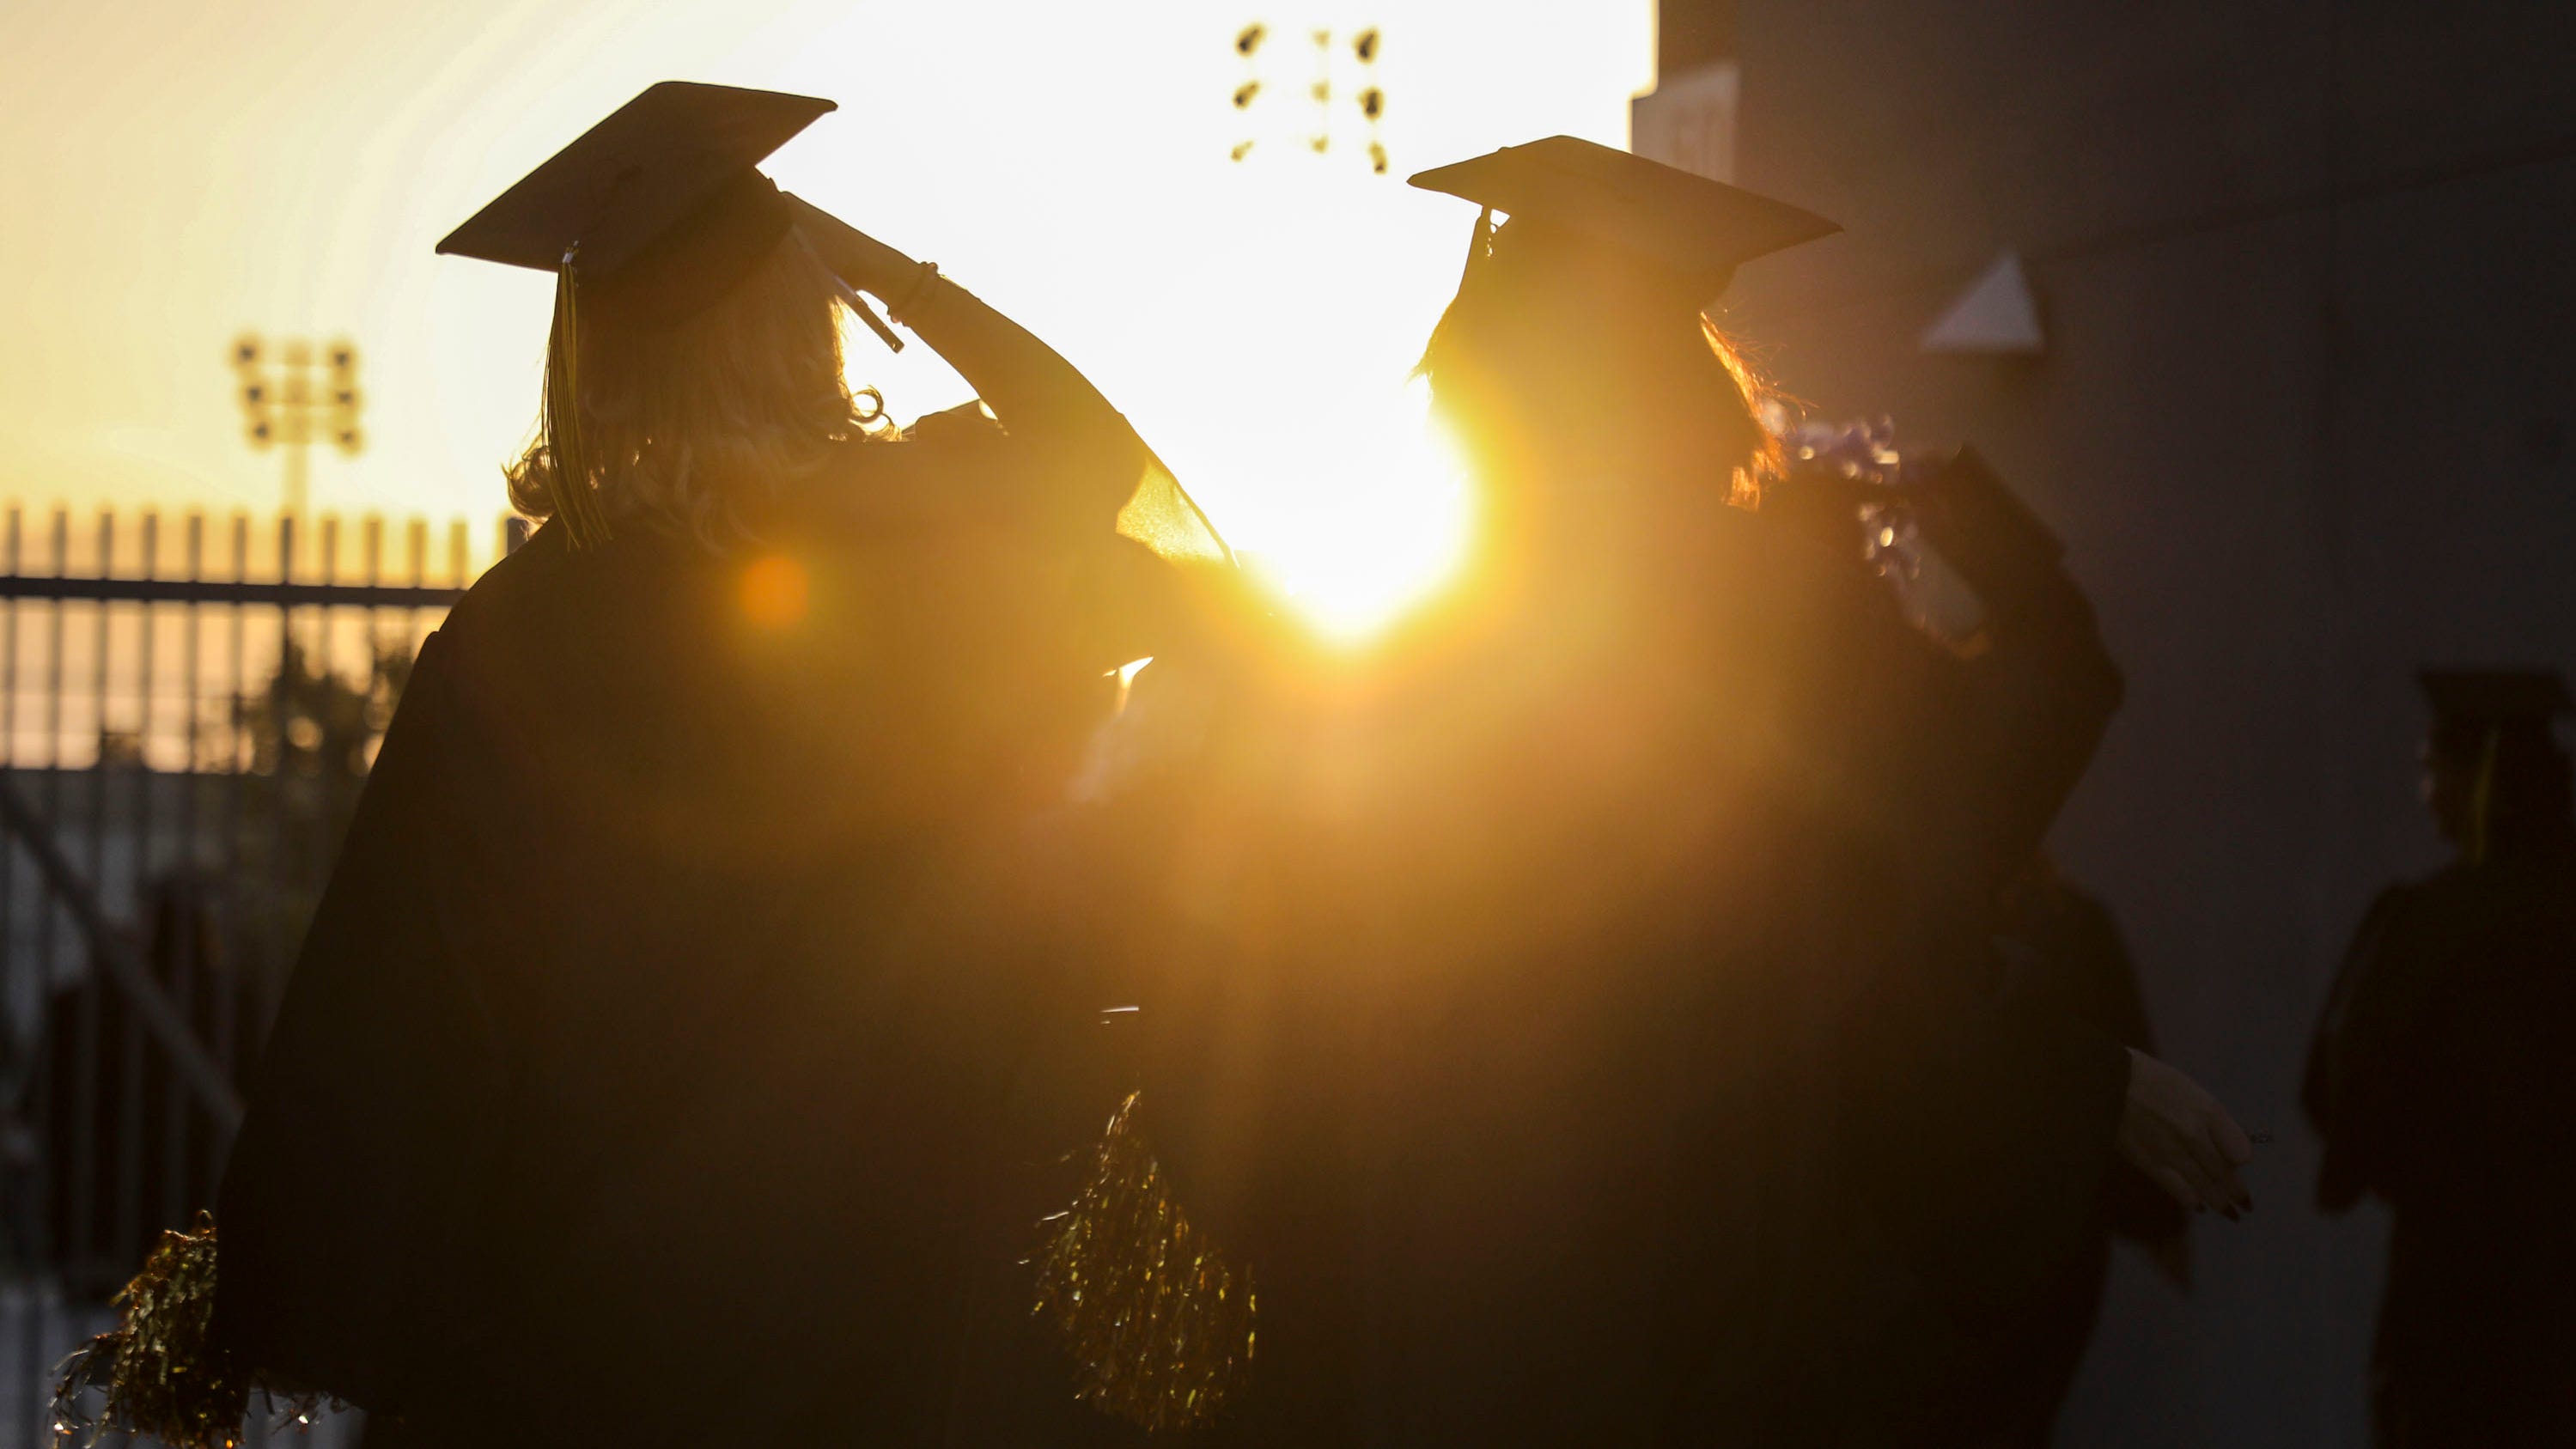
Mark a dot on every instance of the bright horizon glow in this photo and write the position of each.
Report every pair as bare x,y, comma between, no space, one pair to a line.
1392,524
284,166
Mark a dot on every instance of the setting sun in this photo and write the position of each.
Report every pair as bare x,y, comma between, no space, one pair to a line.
1385,525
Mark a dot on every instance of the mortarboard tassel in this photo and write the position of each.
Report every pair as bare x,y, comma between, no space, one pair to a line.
161,1372
576,502
868,314
1480,245
850,297
2482,796
1160,1325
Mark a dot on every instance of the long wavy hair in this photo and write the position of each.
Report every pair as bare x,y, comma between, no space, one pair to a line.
1562,352
693,428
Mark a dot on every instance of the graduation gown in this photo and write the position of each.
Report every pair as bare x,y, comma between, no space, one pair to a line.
2063,948
1592,1038
648,1071
2437,1082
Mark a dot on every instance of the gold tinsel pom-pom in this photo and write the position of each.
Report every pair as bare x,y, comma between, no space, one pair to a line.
159,1368
1160,1326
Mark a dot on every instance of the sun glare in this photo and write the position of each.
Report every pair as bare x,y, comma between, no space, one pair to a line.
1377,532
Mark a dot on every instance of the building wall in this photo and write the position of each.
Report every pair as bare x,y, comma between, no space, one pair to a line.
2303,421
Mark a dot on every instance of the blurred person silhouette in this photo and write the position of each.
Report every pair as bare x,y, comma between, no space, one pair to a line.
1599,1038
2437,1083
646,1073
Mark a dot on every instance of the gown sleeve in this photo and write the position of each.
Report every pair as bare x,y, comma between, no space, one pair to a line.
1982,1117
347,1209
1093,466
1038,506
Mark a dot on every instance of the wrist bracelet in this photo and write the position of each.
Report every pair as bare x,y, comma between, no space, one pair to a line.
924,275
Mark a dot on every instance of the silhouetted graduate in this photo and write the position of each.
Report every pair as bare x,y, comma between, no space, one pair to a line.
645,1075
1608,1047
2439,1082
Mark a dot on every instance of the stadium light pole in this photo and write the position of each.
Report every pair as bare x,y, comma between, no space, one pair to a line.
284,408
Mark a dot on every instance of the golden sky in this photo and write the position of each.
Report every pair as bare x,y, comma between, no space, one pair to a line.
181,172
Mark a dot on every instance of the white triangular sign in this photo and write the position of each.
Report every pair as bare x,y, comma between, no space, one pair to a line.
1997,314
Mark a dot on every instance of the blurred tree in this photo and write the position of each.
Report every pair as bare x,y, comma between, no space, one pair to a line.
315,724
312,734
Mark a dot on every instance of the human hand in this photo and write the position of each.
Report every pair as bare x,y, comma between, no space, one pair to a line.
2183,1140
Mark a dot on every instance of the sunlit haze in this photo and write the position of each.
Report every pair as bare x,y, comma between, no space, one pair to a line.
182,173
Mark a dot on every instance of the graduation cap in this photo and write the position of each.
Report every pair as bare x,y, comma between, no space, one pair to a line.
1697,228
659,206
656,213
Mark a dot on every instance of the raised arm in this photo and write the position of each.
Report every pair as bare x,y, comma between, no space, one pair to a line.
1040,398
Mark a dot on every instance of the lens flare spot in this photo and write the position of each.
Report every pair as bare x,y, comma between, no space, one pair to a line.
775,594
1126,674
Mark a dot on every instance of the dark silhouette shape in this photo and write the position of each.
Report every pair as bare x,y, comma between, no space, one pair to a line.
2063,948
2439,1083
1601,1040
647,1075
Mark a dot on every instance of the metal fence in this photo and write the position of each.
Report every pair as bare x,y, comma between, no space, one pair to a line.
187,712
